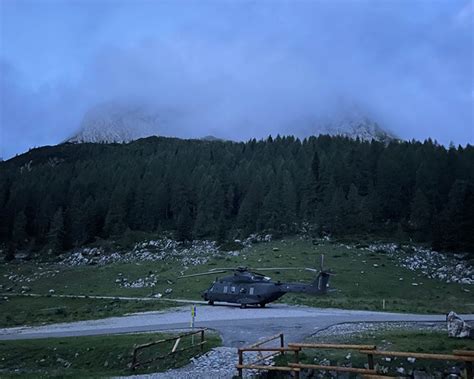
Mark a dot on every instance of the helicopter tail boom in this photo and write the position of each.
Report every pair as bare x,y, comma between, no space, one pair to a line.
317,287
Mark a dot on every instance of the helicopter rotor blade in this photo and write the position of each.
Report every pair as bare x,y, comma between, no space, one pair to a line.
227,269
292,268
286,268
202,274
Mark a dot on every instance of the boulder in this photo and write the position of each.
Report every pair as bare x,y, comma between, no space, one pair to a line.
457,327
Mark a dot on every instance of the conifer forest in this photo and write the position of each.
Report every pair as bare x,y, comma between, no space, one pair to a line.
56,198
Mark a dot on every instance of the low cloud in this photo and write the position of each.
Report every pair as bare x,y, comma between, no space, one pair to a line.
243,69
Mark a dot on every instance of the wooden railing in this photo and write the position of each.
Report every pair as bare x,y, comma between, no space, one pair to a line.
257,347
137,351
362,371
465,356
368,372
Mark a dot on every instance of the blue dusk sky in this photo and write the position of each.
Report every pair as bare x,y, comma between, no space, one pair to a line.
242,68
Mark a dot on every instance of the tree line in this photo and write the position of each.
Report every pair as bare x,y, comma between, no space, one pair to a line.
56,198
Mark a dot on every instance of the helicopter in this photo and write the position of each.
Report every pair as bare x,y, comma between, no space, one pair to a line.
249,287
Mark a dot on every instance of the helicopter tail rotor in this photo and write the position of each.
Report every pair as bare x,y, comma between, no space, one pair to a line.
321,281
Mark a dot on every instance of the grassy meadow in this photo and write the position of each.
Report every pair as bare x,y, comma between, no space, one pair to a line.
25,310
101,356
362,280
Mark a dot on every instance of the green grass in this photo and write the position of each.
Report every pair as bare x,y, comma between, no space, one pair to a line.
91,356
435,342
19,310
353,289
358,283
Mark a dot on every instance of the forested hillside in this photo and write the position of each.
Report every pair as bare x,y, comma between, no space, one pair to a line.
68,195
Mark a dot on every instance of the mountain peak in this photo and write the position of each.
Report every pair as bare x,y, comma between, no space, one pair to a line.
112,122
122,122
349,120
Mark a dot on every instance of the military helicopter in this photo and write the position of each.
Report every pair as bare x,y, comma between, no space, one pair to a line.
249,287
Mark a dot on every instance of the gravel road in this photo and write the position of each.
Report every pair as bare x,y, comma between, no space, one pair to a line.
237,326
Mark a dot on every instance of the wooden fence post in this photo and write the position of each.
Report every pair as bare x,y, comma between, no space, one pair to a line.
202,340
297,361
134,359
282,343
469,371
370,358
241,362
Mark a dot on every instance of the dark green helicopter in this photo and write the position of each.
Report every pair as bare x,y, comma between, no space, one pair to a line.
248,287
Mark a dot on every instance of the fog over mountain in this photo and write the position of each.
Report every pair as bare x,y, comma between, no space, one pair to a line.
125,122
234,70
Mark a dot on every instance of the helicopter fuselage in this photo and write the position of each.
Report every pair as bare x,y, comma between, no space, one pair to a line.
247,288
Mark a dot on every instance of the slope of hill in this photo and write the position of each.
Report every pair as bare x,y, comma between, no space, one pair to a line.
67,195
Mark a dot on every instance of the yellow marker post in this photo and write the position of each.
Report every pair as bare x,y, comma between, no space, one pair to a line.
193,316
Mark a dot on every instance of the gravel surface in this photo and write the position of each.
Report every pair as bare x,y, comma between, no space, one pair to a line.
237,326
218,363
346,331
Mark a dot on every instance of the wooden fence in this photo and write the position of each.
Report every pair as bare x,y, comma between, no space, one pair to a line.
137,351
371,351
257,347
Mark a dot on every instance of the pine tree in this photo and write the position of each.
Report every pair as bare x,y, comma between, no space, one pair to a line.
351,220
184,225
115,218
76,221
455,223
421,215
10,253
337,212
56,232
251,206
19,235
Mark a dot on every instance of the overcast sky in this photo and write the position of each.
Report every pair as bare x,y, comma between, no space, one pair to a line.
241,68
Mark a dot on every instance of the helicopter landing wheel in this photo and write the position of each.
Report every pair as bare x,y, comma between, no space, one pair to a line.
243,306
210,302
262,305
